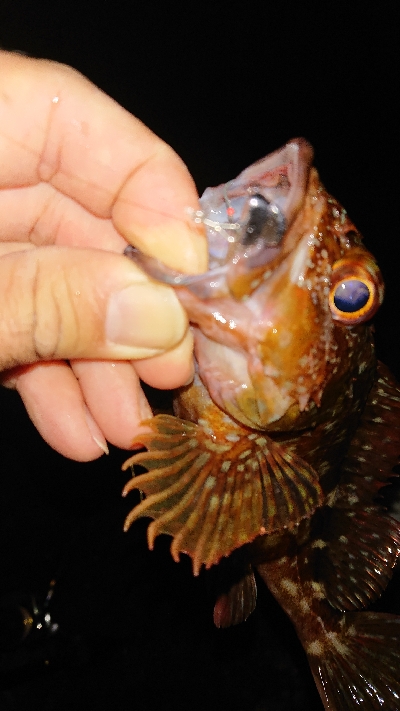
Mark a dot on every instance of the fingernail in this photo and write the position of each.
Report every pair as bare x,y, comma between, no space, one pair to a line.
95,431
146,317
145,411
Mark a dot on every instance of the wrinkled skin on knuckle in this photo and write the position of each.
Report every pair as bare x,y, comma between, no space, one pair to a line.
17,314
57,329
40,311
47,321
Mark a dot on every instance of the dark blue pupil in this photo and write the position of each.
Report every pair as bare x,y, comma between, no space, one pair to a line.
351,295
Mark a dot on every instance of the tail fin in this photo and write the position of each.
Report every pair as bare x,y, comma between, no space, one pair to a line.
359,666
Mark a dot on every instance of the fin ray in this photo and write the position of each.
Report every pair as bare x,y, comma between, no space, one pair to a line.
358,542
236,605
353,555
214,495
359,668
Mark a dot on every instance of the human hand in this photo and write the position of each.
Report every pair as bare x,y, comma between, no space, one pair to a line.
80,324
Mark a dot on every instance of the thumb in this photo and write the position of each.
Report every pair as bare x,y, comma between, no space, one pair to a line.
63,303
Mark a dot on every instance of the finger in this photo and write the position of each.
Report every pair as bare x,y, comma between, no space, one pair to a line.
8,247
85,146
60,303
41,216
169,370
55,404
113,395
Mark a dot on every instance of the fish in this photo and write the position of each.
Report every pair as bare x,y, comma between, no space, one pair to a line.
277,454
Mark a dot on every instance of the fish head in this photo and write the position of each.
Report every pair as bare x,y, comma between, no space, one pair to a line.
280,318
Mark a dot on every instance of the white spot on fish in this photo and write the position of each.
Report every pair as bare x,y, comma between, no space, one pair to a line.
290,587
282,560
318,590
214,447
315,648
261,441
214,502
245,454
232,437
319,543
337,644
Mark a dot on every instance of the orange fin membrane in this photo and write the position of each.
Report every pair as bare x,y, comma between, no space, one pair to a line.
359,667
238,603
214,495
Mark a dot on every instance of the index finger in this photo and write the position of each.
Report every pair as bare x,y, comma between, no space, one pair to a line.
58,128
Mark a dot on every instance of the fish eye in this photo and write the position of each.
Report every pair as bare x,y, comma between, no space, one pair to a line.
354,296
351,295
265,221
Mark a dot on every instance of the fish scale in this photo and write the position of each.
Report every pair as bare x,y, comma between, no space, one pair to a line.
277,453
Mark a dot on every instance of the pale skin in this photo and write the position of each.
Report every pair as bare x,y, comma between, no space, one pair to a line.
80,178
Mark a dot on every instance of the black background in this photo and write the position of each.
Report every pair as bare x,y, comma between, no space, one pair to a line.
224,86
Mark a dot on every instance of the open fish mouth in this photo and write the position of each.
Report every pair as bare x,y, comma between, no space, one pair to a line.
245,221
255,242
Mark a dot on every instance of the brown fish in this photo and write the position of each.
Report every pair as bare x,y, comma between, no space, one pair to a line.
280,447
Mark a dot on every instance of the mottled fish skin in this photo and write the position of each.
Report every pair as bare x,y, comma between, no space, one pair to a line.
278,450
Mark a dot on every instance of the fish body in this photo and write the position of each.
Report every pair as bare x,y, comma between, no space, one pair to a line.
278,449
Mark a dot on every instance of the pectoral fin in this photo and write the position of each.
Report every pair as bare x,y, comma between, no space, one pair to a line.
214,495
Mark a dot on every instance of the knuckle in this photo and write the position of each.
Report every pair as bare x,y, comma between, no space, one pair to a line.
55,324
41,319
